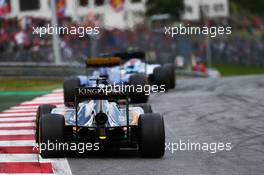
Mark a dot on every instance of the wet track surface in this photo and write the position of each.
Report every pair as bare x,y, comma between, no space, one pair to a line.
200,110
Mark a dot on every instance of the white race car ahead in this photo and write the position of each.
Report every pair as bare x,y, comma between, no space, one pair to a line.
133,71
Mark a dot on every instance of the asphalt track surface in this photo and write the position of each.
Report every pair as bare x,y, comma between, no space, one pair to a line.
199,110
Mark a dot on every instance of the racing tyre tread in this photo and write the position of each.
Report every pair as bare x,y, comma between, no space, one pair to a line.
42,109
152,135
171,71
51,130
161,78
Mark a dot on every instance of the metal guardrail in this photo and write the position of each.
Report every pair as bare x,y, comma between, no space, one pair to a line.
42,70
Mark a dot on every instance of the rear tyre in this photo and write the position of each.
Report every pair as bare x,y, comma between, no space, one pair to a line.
42,109
69,86
171,71
151,135
138,97
161,78
51,133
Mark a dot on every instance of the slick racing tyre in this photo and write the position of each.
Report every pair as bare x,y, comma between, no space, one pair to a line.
51,133
42,110
138,97
171,71
151,135
69,86
161,78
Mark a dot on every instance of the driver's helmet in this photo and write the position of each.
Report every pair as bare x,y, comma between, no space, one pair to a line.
133,65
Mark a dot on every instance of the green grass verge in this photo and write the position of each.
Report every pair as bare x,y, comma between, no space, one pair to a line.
21,84
11,100
16,90
24,93
229,70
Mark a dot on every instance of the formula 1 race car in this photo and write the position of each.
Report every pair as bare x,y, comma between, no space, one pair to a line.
126,68
99,118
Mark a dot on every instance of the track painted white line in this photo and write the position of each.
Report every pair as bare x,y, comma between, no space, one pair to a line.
58,90
17,119
18,132
24,107
3,125
18,114
41,102
49,99
20,111
26,174
54,95
51,96
17,143
59,166
18,157
30,107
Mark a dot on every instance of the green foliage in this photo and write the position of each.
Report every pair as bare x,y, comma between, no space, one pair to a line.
172,7
254,7
228,70
175,7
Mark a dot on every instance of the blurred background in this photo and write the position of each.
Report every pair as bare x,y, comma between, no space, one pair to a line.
126,25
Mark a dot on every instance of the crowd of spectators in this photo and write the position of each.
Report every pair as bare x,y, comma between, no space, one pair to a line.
244,47
233,50
18,44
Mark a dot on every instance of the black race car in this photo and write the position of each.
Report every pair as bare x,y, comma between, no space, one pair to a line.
100,116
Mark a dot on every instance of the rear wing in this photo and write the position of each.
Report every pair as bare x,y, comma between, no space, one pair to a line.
103,61
99,93
115,59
